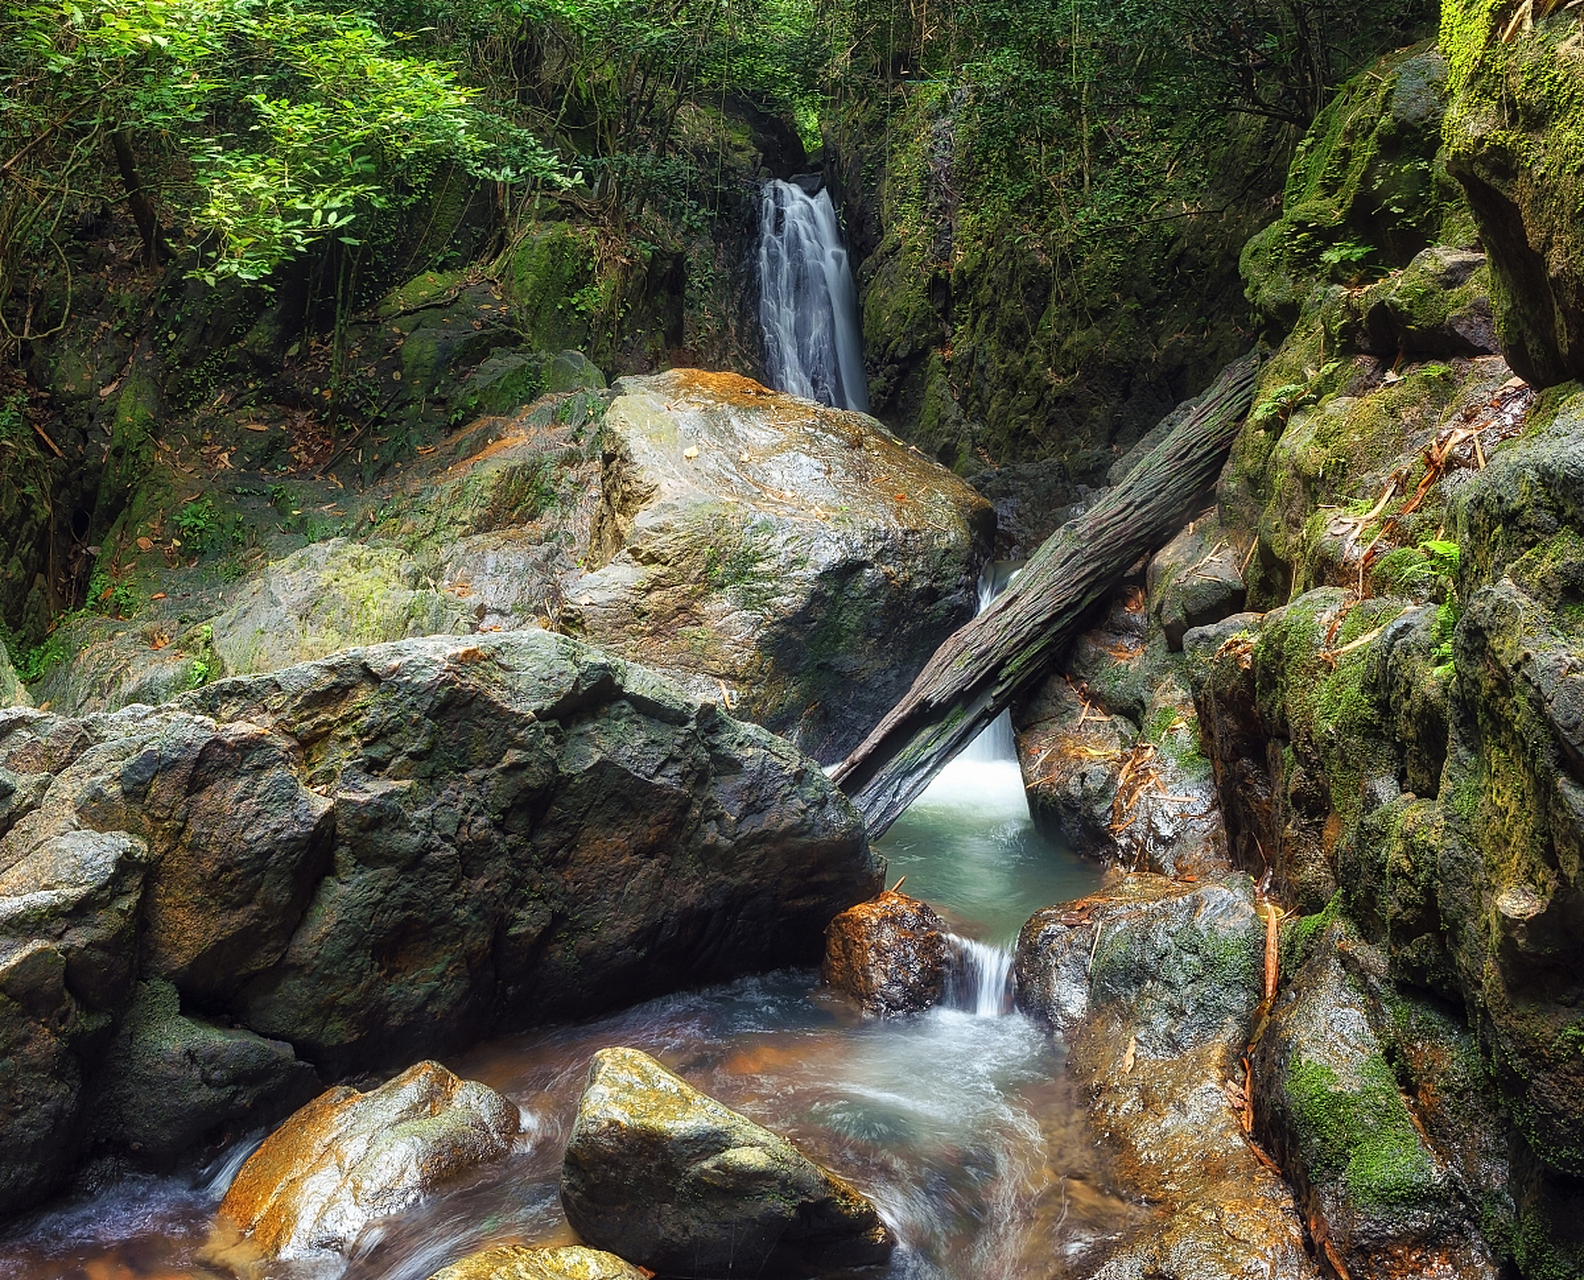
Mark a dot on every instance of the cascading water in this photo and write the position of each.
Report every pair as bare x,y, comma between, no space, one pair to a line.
808,308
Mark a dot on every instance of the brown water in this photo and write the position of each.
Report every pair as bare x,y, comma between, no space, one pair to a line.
959,1125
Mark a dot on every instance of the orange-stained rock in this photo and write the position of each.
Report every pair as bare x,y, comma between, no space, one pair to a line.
521,1262
889,954
348,1157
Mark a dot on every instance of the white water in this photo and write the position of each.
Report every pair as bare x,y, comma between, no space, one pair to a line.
808,308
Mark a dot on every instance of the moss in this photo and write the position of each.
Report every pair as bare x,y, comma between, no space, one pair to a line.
1361,1132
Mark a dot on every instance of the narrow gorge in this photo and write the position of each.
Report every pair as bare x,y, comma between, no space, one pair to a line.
807,640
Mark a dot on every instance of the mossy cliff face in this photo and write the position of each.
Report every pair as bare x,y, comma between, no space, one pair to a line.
1515,140
1395,736
1000,335
1366,190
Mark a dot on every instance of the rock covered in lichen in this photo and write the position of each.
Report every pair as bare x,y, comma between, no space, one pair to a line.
889,955
1380,1198
666,1176
1513,142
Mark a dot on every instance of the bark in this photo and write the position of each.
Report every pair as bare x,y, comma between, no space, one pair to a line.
143,215
1005,651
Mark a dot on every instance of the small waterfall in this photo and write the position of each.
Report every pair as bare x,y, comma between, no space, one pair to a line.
808,308
980,981
995,742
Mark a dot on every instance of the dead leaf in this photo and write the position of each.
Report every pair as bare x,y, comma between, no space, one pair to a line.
1130,1056
692,452
158,595
109,389
255,426
159,642
145,544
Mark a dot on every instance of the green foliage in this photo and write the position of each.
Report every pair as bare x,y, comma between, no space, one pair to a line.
198,525
259,127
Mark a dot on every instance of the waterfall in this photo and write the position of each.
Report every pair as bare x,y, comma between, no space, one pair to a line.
994,743
980,979
808,308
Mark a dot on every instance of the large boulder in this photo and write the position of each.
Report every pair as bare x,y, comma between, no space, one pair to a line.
382,853
348,1157
801,554
659,1173
889,955
798,562
1155,984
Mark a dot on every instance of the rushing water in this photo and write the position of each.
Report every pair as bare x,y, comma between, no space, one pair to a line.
957,1122
808,308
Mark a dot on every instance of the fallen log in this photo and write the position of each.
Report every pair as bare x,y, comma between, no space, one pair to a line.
1015,643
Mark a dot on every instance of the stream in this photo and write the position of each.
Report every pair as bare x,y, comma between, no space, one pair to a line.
957,1122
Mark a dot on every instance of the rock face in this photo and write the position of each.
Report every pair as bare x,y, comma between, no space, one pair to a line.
353,860
349,1157
1156,984
663,1175
1522,181
1194,580
1379,1195
515,1262
801,554
889,955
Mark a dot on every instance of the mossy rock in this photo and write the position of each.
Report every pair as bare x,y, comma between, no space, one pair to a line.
1366,190
1327,1101
1515,141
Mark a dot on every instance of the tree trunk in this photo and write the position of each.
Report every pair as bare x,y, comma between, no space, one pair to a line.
137,198
1015,643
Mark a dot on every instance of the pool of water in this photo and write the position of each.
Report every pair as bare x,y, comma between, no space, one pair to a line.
959,1125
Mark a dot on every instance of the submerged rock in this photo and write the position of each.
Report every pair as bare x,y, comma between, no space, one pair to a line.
349,1157
518,1262
803,555
889,955
1155,984
381,853
662,1174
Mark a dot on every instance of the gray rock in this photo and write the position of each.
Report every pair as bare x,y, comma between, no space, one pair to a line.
802,556
348,1158
327,597
168,1080
1193,581
13,693
357,859
660,1173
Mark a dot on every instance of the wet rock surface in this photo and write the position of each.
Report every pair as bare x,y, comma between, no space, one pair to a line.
398,848
1156,984
801,554
1110,753
1380,1197
667,1177
348,1158
517,1262
889,955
